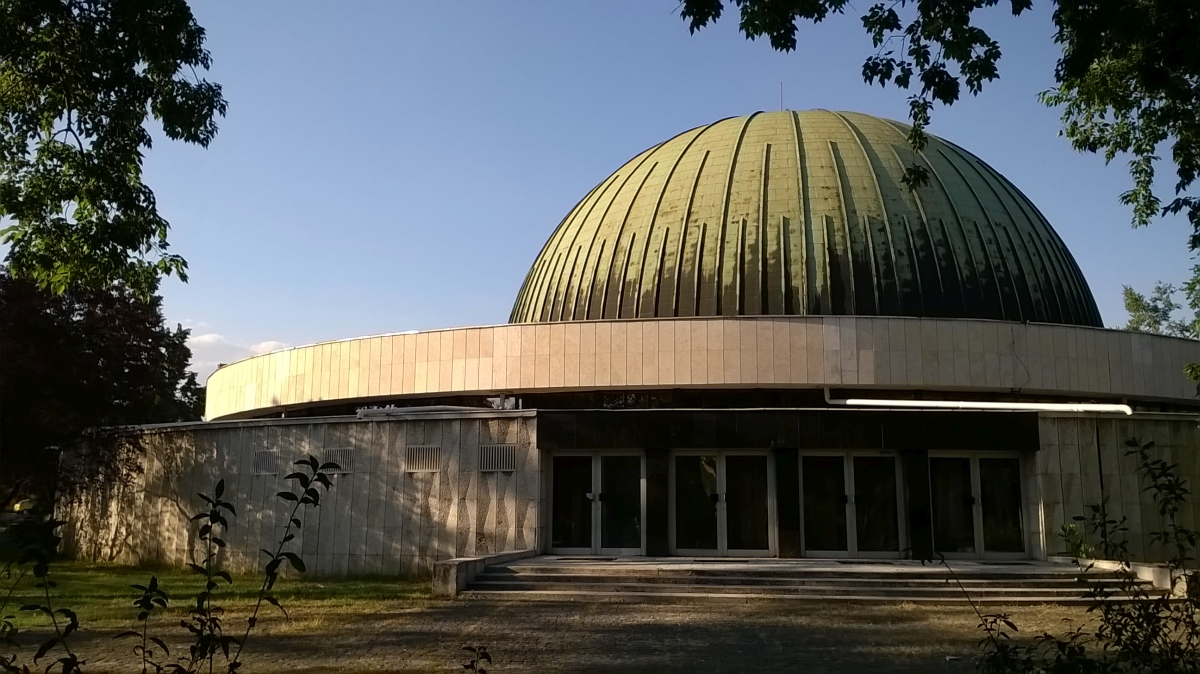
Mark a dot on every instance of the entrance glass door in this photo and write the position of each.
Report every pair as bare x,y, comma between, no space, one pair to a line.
620,500
876,507
953,502
976,499
825,505
851,505
597,504
571,505
721,504
1000,505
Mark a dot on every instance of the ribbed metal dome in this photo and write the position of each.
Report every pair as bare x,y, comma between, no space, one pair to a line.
803,213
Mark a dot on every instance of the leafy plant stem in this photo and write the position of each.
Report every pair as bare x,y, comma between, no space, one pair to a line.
62,638
262,591
12,588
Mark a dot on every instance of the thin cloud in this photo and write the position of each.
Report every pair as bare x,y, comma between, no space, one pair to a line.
211,350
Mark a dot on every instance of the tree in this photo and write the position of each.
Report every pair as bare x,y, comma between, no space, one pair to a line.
78,81
1128,81
1156,314
79,362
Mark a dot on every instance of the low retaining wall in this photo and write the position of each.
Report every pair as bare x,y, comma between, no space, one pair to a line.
453,575
413,492
1159,575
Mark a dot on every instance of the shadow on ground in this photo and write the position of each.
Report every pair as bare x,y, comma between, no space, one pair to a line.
428,635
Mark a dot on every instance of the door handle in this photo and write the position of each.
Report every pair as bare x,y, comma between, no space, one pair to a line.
601,496
969,500
716,498
845,499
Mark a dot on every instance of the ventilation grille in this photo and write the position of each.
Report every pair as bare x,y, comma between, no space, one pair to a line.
342,456
497,457
422,459
266,461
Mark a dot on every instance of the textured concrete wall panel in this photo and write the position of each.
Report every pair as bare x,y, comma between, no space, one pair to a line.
1074,473
378,518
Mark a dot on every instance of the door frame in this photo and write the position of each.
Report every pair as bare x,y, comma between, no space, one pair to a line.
597,477
981,551
722,549
849,489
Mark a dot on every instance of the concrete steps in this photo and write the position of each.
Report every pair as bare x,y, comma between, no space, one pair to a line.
675,580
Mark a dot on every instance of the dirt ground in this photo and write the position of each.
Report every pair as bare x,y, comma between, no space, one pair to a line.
425,635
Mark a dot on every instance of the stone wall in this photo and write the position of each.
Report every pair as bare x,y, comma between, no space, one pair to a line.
1072,474
378,518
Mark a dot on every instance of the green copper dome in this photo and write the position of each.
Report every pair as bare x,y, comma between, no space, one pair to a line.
803,213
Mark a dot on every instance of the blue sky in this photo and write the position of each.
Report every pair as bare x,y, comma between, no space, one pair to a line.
391,166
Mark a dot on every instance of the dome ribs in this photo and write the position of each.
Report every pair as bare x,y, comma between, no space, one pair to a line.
1079,303
658,202
842,248
1006,282
562,306
680,261
807,272
590,287
721,287
1029,276
1064,294
976,278
574,223
729,219
679,249
559,232
953,286
926,252
889,295
764,262
785,284
605,311
620,296
572,281
740,270
698,273
658,271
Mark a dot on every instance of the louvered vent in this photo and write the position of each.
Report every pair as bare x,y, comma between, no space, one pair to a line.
342,456
266,461
422,459
497,457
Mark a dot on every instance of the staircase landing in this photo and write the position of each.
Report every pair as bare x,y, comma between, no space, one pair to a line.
683,579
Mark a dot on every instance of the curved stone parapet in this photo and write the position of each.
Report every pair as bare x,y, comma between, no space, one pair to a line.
745,352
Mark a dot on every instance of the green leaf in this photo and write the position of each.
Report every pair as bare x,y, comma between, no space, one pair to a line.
275,602
294,560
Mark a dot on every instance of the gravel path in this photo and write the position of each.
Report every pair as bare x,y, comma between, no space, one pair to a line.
427,636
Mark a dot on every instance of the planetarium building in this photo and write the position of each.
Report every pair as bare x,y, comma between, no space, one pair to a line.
750,340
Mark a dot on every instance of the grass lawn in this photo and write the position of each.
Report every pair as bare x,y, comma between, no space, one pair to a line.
102,596
383,624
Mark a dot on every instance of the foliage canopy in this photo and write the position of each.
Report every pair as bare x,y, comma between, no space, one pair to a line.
77,362
78,81
1128,81
1156,313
